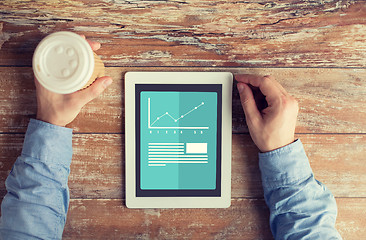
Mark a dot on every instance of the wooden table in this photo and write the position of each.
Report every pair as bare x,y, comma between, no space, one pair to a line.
316,49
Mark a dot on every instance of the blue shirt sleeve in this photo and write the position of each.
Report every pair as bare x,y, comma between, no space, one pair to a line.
36,204
300,206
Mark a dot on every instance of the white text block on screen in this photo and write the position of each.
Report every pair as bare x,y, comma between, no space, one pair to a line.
196,148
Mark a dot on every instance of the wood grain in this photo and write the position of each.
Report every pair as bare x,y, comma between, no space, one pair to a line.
110,219
330,99
194,33
351,218
245,219
315,49
337,160
97,169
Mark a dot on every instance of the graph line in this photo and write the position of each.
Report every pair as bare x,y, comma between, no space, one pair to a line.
150,124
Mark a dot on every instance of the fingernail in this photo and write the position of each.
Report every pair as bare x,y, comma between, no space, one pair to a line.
240,87
107,82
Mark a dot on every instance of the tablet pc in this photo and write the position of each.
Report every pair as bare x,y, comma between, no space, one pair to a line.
178,139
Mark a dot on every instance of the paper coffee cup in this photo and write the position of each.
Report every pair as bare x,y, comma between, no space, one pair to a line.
64,62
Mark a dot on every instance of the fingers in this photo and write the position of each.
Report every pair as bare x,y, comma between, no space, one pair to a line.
86,95
251,111
267,85
284,92
94,45
36,82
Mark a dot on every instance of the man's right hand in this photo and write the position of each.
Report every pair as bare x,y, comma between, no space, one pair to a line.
274,126
61,109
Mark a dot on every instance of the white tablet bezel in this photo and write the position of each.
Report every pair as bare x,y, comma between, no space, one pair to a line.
133,78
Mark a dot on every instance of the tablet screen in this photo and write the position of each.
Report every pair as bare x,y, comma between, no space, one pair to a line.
178,140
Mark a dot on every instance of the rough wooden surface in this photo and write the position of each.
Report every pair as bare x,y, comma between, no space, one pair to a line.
245,219
97,169
195,33
316,49
330,99
96,219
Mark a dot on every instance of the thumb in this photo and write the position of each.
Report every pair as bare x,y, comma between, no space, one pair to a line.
248,103
94,90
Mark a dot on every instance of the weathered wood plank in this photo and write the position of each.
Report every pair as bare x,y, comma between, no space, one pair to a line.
337,161
10,148
204,35
330,99
18,104
351,219
110,219
195,33
245,219
97,169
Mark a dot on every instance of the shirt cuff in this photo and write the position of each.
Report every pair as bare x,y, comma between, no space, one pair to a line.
284,166
48,143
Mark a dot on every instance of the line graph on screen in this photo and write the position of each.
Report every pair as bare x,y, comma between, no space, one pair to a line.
154,123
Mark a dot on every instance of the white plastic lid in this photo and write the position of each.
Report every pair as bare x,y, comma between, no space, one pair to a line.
63,62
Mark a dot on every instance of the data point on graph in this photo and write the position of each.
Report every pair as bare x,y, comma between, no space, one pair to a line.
166,113
195,108
203,103
175,120
158,118
182,116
